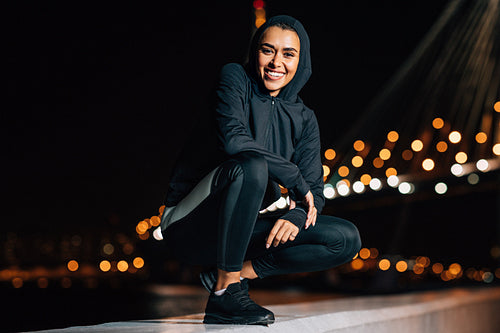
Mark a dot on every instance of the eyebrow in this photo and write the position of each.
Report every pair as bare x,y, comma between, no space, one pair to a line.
284,49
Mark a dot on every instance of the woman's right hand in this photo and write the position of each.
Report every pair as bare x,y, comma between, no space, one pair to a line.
312,212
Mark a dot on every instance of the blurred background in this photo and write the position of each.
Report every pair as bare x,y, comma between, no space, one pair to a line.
101,98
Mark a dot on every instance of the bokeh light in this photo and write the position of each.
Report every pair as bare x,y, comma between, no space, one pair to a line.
428,164
417,145
384,154
455,137
482,165
326,170
401,266
441,188
72,265
330,154
393,181
384,264
407,154
358,187
441,146
375,184
391,172
105,266
365,179
496,149
392,136
496,106
481,137
457,169
357,161
358,145
437,123
378,162
473,179
343,171
461,157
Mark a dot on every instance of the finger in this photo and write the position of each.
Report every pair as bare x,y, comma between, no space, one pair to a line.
292,204
287,236
279,236
273,233
315,216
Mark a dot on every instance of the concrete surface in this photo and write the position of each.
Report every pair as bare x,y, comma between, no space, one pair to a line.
453,310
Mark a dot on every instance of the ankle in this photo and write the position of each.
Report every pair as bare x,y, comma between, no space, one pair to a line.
224,279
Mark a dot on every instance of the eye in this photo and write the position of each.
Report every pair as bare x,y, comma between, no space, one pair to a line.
289,54
266,50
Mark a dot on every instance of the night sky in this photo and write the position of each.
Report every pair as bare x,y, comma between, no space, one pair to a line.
101,98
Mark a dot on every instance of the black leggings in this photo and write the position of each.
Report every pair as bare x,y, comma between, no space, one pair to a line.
225,228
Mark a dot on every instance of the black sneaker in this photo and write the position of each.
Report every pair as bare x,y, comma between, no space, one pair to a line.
209,278
236,307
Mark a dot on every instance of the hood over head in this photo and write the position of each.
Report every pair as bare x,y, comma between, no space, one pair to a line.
290,91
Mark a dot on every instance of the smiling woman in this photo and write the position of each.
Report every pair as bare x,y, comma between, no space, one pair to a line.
278,57
270,140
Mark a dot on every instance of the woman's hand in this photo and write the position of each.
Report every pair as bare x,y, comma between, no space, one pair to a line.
282,232
312,212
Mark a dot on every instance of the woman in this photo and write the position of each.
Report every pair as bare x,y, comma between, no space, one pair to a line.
267,137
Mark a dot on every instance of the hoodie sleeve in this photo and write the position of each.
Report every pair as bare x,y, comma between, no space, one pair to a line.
235,136
308,159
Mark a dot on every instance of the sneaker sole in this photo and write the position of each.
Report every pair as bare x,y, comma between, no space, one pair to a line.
217,319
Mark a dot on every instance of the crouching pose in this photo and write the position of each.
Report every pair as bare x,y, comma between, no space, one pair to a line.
268,137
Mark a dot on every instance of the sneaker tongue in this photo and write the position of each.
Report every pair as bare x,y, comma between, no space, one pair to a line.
234,287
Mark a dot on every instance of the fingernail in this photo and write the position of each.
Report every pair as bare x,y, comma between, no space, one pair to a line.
268,246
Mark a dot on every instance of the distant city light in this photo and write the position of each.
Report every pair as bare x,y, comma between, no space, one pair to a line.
406,188
384,264
407,154
343,171
358,187
482,165
441,146
417,145
437,123
343,188
391,172
105,266
384,154
455,137
496,149
375,184
329,191
428,164
481,137
357,161
461,157
358,145
392,136
496,106
457,169
365,179
473,179
393,181
330,154
441,188
326,170
378,162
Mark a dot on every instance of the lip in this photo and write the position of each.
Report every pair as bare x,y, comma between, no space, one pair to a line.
273,78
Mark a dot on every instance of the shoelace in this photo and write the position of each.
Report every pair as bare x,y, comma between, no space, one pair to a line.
244,299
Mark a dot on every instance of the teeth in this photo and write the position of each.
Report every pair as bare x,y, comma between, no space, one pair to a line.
276,74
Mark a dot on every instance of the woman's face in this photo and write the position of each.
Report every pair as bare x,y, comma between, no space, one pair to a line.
277,58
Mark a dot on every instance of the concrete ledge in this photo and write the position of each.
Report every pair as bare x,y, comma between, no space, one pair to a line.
455,310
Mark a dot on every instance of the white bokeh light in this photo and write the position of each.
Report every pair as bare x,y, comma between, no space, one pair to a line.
342,188
482,165
358,187
457,169
329,191
375,184
441,188
406,188
393,181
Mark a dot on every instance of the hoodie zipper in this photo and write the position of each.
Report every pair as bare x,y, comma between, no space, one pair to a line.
269,120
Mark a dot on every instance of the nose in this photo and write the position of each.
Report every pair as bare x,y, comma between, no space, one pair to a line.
276,60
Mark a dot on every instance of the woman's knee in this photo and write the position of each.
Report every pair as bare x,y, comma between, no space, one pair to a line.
253,167
350,240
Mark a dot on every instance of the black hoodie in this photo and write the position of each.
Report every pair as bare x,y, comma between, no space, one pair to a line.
282,129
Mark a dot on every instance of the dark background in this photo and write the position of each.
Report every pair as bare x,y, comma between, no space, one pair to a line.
101,98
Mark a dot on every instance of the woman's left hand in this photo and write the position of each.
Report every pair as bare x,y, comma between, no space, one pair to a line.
282,232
